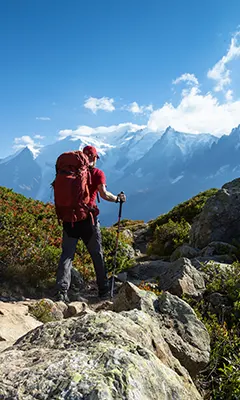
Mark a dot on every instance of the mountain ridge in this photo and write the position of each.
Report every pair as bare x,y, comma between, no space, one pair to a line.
156,170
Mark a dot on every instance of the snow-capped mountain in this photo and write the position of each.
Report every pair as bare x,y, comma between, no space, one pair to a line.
156,170
166,160
122,150
21,173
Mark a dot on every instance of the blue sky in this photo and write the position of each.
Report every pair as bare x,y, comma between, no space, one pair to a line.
67,65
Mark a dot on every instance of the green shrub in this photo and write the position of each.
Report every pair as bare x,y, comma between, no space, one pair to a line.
41,310
123,261
187,210
221,378
130,224
30,243
170,230
168,237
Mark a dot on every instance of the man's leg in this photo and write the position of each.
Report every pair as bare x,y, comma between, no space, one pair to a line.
94,246
65,263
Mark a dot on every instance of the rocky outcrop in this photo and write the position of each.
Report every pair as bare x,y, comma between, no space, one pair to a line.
185,251
179,277
186,336
142,346
219,219
96,356
146,270
141,237
15,321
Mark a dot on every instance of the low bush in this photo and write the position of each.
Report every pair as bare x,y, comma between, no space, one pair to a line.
187,210
42,311
171,230
168,237
30,243
221,378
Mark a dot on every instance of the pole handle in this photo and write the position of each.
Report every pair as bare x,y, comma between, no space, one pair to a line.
120,207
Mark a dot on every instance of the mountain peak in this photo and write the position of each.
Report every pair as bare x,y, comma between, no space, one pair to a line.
25,153
169,130
235,131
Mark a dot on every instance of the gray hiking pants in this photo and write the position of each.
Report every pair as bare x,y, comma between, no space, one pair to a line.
94,246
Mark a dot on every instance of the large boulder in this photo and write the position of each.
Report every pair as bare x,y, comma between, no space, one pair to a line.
219,219
15,321
141,238
185,334
96,356
220,248
147,270
184,251
130,297
179,277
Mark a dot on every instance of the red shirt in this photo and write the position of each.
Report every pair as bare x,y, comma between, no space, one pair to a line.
98,178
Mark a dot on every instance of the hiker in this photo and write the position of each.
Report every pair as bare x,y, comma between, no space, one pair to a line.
89,231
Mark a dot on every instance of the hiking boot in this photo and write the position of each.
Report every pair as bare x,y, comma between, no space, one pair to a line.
62,296
104,295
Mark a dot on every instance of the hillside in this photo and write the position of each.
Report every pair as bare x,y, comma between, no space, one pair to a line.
30,245
169,260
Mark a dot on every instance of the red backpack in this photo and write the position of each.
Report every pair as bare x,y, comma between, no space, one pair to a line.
71,186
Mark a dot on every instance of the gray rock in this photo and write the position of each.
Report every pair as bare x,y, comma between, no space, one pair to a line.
218,300
201,262
141,238
97,356
185,334
219,248
181,277
130,297
122,276
129,252
127,233
15,321
184,251
219,219
75,308
178,277
146,270
211,267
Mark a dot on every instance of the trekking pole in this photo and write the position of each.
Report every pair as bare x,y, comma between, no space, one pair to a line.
116,246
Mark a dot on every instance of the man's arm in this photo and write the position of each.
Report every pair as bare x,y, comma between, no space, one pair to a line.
108,195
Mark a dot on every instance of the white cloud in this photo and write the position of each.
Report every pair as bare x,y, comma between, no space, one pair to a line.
229,95
136,109
197,113
100,130
220,73
43,118
104,103
190,79
39,137
203,113
27,141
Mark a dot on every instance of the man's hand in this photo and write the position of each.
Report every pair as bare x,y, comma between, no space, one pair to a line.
121,197
109,196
